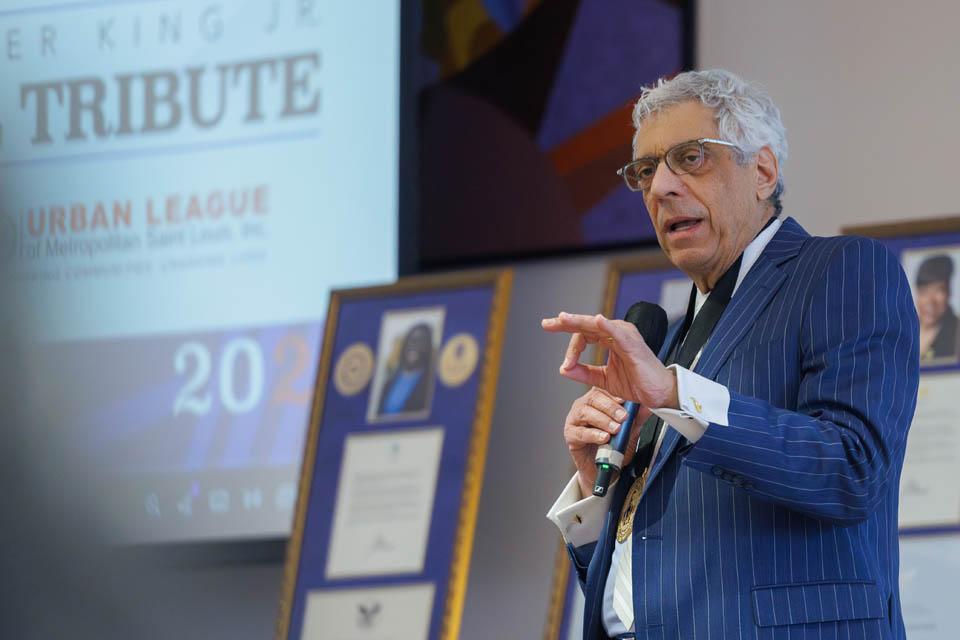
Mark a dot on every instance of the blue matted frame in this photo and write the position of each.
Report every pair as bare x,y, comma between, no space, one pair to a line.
927,233
462,457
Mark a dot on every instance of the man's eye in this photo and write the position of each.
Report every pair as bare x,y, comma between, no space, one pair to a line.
690,159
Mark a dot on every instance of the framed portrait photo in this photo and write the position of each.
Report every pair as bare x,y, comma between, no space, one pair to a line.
406,363
934,276
929,251
393,463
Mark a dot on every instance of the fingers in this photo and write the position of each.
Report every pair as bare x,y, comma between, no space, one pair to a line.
615,334
588,416
606,404
586,374
572,323
592,418
579,436
623,336
576,346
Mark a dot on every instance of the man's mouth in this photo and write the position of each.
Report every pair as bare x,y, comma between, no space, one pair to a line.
682,224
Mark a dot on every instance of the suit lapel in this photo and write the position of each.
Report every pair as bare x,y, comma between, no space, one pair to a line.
672,334
600,566
752,296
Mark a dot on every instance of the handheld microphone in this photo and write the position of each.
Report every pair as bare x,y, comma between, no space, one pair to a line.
651,320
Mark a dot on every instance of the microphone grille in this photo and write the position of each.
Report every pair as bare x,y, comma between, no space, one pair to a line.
651,321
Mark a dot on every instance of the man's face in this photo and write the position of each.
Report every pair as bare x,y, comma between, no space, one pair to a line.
703,221
932,303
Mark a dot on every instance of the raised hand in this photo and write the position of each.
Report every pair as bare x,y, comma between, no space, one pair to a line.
632,370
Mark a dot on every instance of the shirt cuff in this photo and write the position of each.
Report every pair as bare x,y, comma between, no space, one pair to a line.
579,519
702,402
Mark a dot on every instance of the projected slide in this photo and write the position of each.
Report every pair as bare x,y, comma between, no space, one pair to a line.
183,183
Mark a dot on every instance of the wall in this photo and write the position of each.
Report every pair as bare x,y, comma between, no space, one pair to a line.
868,93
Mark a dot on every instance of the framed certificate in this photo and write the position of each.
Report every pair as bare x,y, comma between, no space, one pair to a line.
929,251
648,276
394,460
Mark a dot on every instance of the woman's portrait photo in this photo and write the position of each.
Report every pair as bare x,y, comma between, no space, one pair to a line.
406,363
933,280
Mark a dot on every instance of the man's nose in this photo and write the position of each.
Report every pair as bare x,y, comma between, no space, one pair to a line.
665,182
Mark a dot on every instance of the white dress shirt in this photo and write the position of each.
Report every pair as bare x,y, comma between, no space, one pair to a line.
702,402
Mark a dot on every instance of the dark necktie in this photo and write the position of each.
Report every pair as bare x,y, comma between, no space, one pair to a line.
693,335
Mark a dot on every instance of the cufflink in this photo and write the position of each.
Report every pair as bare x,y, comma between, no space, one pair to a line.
696,405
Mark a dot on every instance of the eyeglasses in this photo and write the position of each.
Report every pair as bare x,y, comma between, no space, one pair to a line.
686,157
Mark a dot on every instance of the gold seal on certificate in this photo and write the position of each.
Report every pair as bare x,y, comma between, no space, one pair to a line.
354,369
458,360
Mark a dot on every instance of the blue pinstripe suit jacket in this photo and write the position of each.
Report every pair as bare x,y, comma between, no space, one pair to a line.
783,523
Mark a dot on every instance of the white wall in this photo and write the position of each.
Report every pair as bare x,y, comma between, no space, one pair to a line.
869,91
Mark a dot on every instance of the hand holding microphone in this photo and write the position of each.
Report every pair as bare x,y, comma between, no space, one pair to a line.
632,371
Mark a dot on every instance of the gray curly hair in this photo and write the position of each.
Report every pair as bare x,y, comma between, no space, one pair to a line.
745,114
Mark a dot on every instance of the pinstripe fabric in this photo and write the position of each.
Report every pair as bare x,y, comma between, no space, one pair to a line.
783,523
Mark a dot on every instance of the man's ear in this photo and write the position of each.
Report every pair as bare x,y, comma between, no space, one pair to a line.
768,170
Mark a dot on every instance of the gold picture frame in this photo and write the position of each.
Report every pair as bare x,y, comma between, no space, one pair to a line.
501,281
938,377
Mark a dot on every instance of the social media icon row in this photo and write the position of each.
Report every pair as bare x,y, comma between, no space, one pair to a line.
221,501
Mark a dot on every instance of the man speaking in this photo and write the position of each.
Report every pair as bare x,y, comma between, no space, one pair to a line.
758,497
